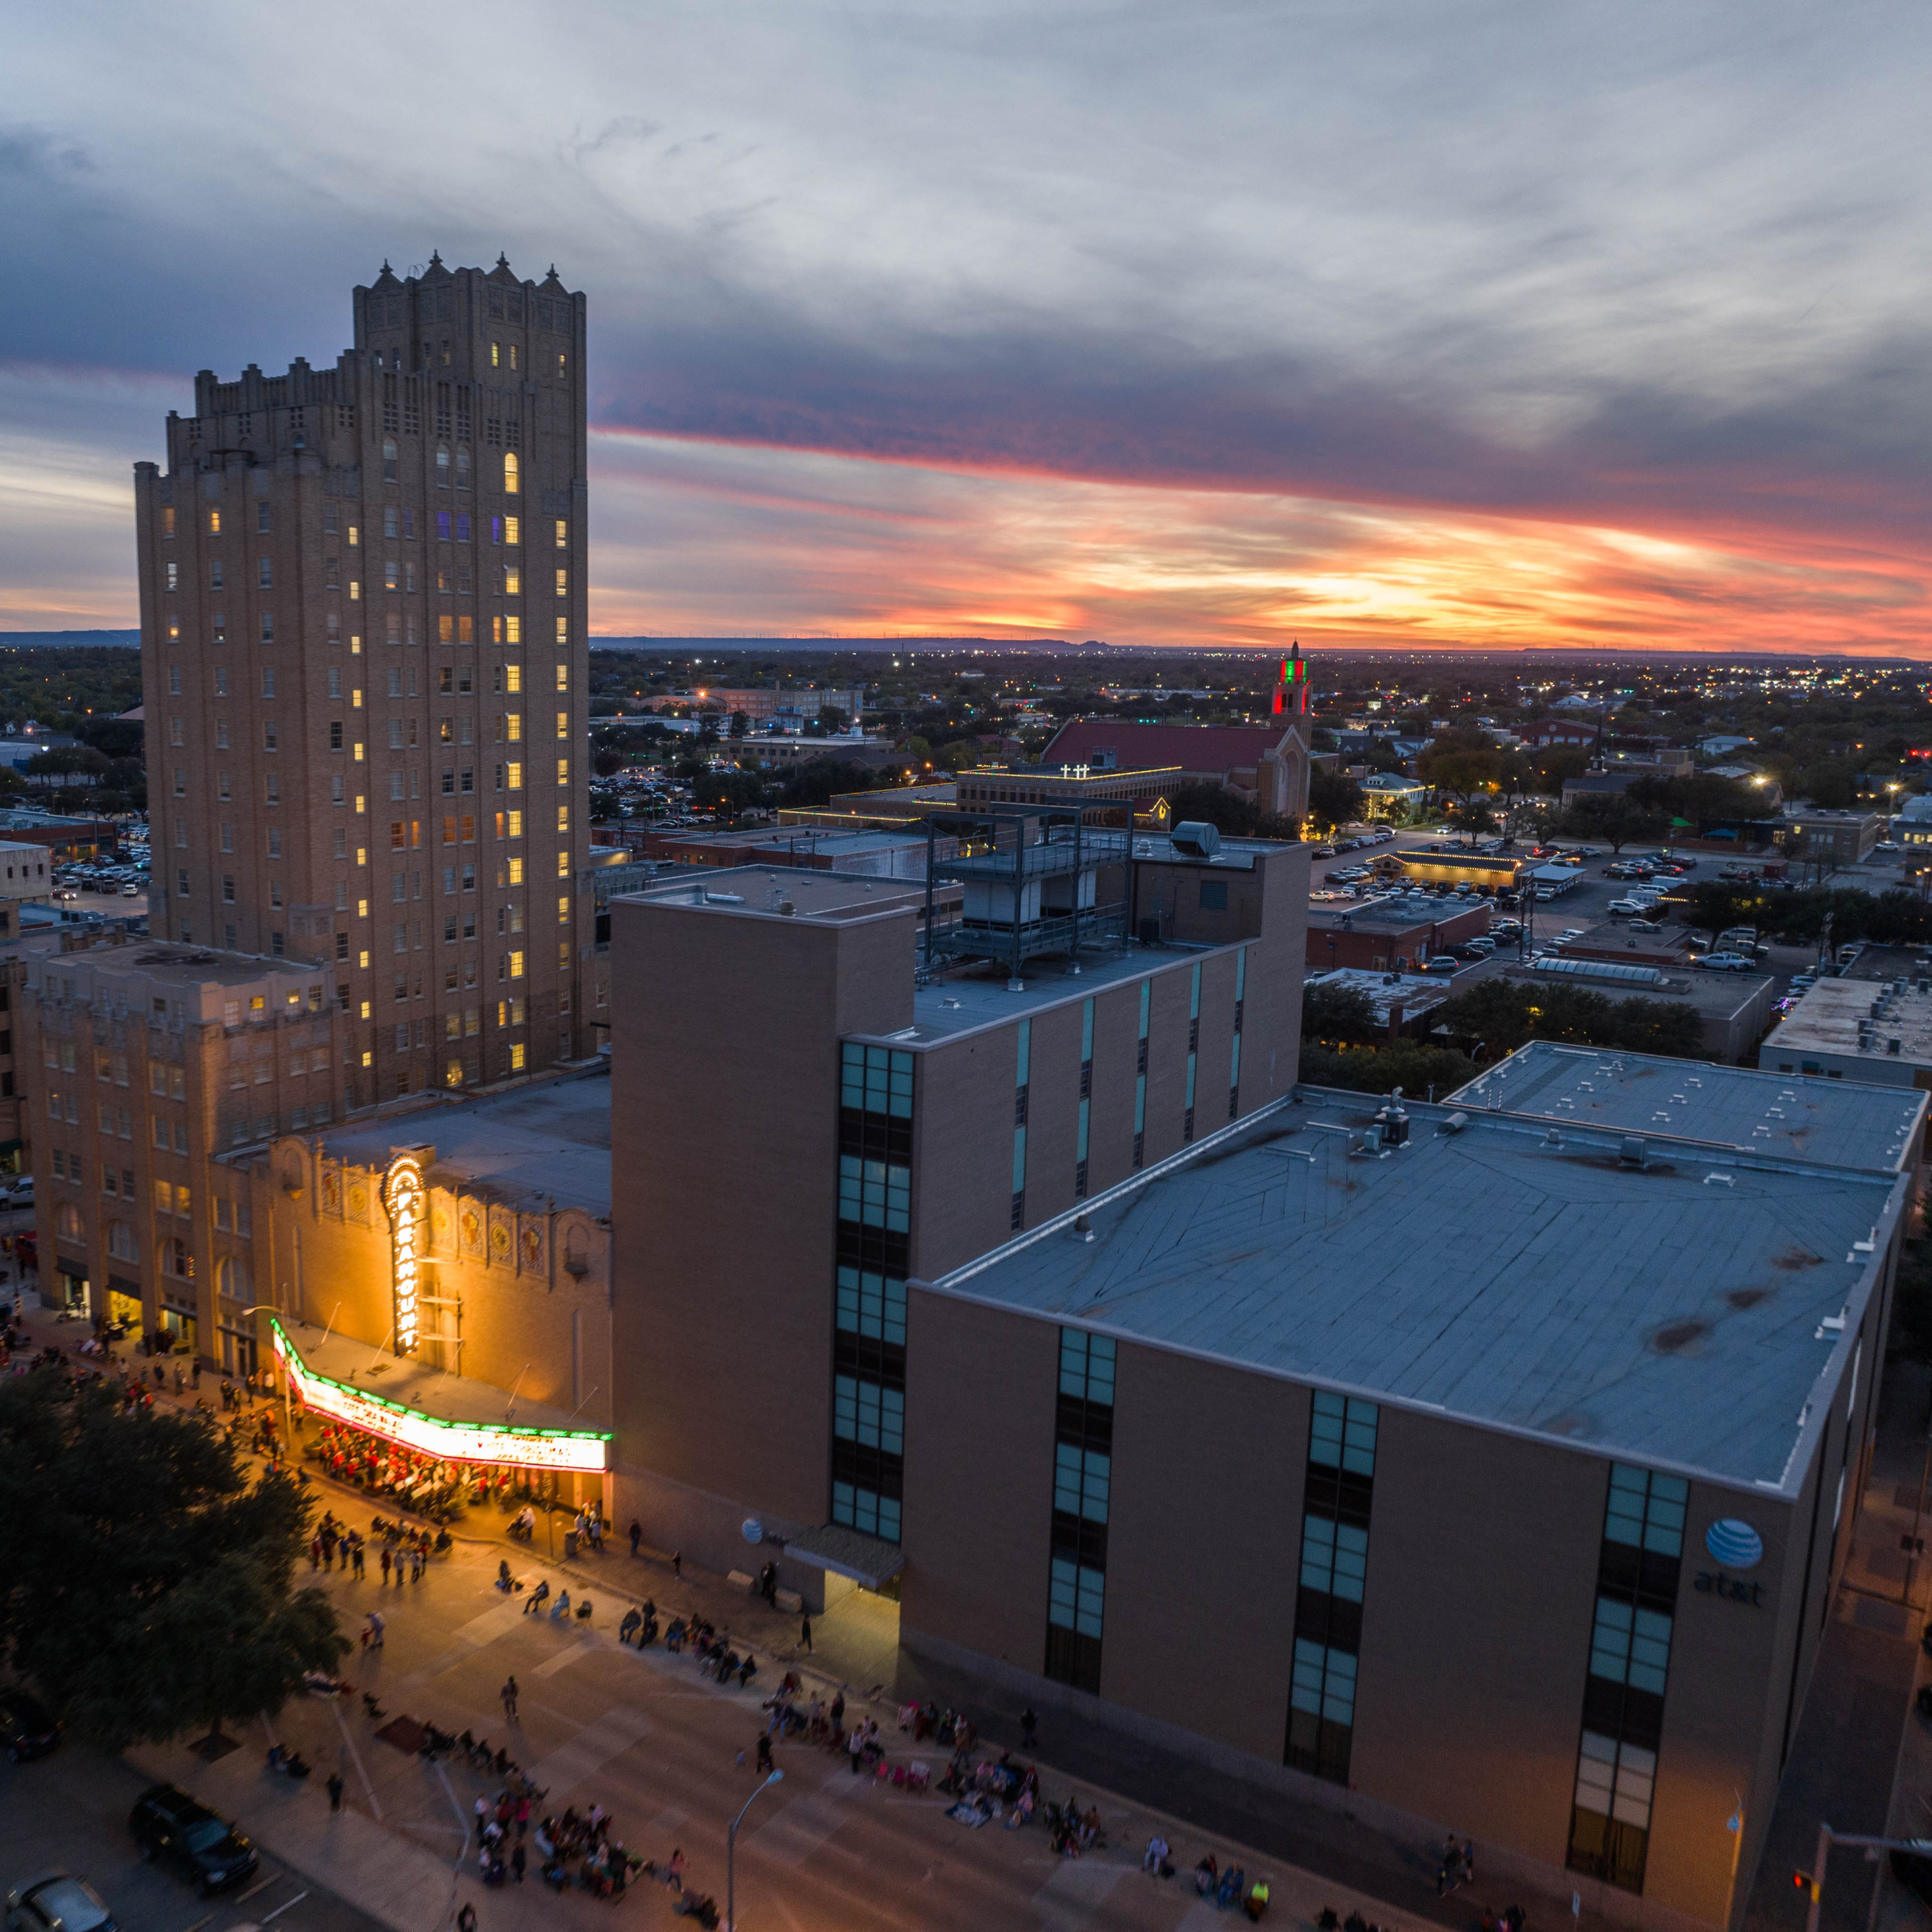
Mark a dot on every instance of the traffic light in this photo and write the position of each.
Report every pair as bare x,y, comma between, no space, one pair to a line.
1801,1881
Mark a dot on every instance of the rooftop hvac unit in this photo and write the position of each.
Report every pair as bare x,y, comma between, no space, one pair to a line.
1196,838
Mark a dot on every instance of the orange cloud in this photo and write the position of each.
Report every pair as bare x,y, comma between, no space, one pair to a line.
694,538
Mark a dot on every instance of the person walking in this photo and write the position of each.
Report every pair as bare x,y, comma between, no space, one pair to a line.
1029,1724
764,1753
855,1746
466,1919
805,1632
335,1791
375,1630
518,1858
637,1534
508,1693
677,1564
356,1556
1469,1861
386,1562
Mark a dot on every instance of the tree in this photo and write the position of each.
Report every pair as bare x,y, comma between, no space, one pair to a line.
1334,797
149,1584
741,723
607,760
1228,811
832,719
1459,765
1611,816
1414,1069
1343,1015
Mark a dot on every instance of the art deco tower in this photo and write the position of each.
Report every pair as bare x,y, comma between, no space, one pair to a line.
363,646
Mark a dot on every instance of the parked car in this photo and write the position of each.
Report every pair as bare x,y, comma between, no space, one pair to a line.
131,891
1632,908
1442,963
1726,962
1646,925
58,1901
26,1728
168,1824
1887,845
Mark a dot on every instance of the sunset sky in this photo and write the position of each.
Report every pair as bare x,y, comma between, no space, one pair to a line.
1361,321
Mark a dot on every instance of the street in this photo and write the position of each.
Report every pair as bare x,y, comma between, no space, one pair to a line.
670,1755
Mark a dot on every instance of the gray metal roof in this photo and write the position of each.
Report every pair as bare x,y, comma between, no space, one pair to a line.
1807,1119
532,1146
1672,1315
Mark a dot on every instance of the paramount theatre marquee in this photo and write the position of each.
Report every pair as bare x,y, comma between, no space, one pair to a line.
421,1409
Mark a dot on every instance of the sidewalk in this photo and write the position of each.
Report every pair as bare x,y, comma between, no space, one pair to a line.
1331,1853
1857,1736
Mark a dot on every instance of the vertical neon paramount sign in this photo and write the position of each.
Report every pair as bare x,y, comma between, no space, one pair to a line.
403,1196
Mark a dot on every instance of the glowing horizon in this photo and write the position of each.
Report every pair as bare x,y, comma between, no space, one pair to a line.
1523,328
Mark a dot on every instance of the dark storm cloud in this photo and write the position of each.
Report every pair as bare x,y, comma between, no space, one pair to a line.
1643,265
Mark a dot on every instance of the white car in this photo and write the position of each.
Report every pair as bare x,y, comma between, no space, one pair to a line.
1634,907
1726,962
1646,925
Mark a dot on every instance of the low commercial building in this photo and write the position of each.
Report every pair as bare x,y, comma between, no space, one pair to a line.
152,1064
1879,1032
1390,797
1392,933
1267,764
442,1277
1499,873
1573,1417
1732,1009
1110,797
895,804
1400,1002
1840,838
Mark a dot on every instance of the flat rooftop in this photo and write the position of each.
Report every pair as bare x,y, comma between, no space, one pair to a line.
1826,1020
1824,1123
769,889
1672,1315
532,1147
949,1006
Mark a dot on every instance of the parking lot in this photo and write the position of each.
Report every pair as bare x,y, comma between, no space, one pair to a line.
1586,902
69,1811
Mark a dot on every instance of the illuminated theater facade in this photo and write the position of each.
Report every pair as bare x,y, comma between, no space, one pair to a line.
443,1280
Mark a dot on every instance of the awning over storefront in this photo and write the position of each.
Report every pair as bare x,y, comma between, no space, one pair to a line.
435,1413
848,1552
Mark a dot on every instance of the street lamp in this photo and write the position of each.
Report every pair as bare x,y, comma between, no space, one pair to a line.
731,1855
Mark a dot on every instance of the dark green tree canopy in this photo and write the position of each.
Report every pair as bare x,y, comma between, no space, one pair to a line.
149,1582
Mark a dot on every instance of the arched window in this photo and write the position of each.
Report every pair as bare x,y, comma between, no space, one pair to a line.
388,462
176,1260
120,1242
462,469
442,467
510,483
68,1221
233,1278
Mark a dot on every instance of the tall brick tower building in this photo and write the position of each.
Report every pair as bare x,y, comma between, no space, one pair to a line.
363,627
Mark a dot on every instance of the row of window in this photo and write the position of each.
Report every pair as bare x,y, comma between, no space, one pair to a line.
399,628
1337,1494
1082,1485
869,1295
1639,1568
